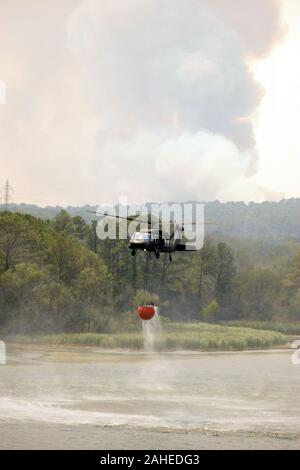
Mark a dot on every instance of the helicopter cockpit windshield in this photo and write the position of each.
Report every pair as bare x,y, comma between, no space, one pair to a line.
141,237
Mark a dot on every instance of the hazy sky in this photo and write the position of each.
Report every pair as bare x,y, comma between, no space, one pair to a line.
153,99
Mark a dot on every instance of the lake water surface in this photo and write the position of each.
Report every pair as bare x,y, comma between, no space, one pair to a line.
74,398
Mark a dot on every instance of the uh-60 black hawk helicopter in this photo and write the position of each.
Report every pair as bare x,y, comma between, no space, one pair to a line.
153,238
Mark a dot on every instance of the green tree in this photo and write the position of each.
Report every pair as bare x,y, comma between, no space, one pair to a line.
259,290
294,305
65,256
92,291
225,279
18,296
93,241
143,297
63,222
291,280
17,240
211,311
207,268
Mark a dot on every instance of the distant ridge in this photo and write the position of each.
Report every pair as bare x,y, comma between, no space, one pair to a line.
266,220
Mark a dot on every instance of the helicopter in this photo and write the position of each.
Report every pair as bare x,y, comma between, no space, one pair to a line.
153,239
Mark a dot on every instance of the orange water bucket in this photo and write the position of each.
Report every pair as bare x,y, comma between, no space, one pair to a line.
146,312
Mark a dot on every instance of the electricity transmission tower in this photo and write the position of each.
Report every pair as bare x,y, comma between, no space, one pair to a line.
7,192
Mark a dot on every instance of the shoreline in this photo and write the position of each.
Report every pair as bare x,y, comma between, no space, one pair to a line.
123,351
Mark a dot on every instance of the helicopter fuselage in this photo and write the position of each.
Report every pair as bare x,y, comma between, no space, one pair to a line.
154,241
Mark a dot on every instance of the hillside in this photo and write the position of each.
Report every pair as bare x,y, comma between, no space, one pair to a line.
267,220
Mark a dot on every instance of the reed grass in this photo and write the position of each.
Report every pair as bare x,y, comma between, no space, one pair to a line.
176,336
287,328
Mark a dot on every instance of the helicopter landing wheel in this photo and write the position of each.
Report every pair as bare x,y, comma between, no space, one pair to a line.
157,254
170,257
133,252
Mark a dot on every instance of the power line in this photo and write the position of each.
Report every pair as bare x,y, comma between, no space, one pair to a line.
7,192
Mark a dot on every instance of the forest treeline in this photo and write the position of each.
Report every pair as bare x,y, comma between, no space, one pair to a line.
57,276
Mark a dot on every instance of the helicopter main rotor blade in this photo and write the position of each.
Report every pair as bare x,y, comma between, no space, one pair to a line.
200,223
104,214
149,222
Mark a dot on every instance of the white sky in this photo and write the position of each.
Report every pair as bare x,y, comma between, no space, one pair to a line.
278,117
106,99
